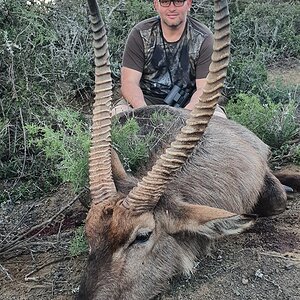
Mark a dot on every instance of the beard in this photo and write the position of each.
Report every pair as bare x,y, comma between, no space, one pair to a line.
173,24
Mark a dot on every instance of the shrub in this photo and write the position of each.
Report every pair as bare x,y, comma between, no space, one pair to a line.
251,77
45,62
296,155
65,146
268,28
281,92
274,123
78,244
245,75
132,148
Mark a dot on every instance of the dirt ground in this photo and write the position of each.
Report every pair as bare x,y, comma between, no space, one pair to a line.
288,75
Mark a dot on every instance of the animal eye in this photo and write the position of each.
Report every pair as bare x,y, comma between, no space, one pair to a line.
142,237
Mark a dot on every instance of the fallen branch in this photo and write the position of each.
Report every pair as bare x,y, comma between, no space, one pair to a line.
22,238
5,271
288,255
28,276
16,226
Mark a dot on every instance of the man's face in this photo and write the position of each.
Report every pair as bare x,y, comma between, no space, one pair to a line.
173,16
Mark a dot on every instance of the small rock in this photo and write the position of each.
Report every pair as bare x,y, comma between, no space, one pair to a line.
289,266
245,281
259,274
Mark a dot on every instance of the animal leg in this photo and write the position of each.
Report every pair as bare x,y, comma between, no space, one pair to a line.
291,179
272,200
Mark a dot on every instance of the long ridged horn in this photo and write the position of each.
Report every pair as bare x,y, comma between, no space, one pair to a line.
100,173
146,194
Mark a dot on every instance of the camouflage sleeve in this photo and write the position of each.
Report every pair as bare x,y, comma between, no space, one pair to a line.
204,59
133,56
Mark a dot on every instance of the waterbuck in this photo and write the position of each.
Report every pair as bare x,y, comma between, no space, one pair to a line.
208,183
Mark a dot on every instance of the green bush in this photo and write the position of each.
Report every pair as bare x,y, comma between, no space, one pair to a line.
281,92
270,29
296,155
65,146
78,244
267,28
45,63
245,75
46,50
132,148
251,77
55,150
274,123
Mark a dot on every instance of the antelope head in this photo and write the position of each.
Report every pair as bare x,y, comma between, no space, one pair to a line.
136,245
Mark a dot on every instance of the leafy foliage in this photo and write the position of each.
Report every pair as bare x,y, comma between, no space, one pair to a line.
274,123
133,149
245,76
45,52
78,244
64,146
268,28
157,118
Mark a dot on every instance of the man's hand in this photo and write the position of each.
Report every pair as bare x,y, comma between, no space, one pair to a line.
200,83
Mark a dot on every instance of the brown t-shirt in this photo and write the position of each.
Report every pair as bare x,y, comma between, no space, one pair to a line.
164,64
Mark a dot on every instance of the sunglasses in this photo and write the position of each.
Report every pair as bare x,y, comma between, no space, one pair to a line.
167,3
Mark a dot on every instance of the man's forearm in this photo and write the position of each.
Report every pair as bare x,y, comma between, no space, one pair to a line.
133,94
194,99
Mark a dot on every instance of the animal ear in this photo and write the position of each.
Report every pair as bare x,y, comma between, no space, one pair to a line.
211,222
124,182
118,170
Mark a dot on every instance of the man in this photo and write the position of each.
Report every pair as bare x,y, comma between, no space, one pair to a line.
170,50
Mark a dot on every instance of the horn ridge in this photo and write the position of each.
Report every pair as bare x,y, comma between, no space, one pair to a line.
100,173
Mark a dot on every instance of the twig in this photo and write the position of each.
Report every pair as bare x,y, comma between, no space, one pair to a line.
283,256
32,257
28,276
59,230
41,286
27,245
17,225
114,8
274,283
5,271
41,226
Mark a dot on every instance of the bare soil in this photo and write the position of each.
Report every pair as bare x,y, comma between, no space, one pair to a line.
287,73
39,266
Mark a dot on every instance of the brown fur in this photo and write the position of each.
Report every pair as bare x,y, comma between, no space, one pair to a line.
226,176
